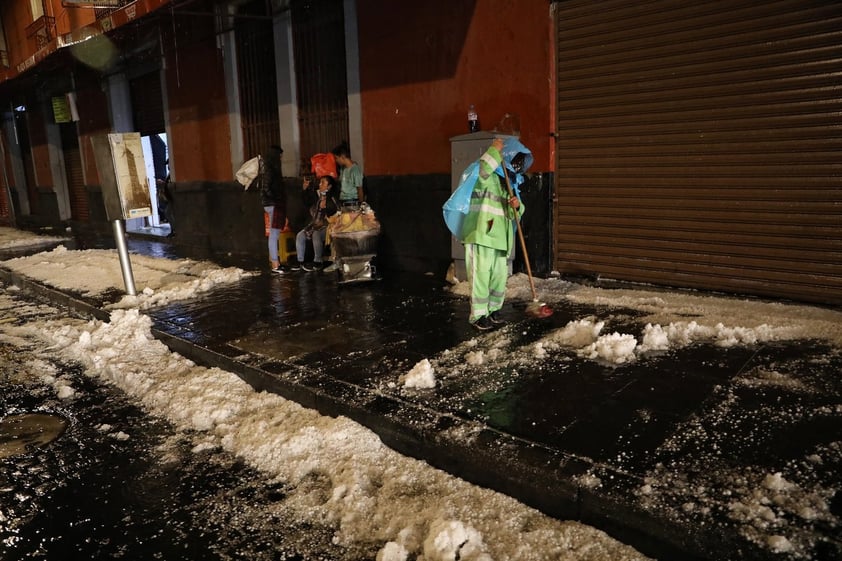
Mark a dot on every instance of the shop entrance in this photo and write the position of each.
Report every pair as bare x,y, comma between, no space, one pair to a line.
148,118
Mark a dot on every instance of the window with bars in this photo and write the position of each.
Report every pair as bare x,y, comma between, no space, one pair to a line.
42,30
255,46
321,78
114,5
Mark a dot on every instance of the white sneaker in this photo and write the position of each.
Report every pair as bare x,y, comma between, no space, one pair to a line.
331,268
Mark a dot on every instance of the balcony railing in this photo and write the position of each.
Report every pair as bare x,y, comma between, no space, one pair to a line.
43,30
113,5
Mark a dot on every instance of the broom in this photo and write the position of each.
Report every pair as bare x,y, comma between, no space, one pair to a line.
535,308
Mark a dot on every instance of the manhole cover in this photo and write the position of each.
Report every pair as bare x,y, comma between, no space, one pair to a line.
19,434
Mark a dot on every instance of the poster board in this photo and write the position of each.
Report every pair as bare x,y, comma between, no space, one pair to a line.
122,172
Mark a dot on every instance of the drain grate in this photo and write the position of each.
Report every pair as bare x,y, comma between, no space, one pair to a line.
20,434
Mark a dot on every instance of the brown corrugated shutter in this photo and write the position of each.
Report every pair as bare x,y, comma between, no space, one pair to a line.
73,171
699,144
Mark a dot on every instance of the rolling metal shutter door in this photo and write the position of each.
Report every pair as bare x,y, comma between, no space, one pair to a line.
700,145
73,170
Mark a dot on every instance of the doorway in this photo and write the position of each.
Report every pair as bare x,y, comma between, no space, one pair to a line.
148,117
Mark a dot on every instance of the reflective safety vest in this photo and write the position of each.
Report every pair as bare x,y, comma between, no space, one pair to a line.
490,221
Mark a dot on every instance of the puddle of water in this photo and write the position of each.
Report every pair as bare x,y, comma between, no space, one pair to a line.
19,434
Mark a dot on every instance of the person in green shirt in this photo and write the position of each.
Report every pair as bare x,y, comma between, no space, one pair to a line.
351,178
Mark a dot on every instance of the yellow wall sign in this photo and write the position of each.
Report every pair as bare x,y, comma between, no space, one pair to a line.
61,109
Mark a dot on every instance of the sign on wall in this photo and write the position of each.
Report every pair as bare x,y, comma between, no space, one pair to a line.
61,109
64,108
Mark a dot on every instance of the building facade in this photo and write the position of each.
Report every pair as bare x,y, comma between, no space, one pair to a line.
221,81
691,146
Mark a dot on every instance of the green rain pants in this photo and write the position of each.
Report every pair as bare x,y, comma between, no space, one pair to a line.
488,271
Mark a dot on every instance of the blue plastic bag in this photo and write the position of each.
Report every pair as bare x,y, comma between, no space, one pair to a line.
457,206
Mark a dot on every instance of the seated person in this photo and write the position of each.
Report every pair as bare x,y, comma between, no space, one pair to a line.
322,203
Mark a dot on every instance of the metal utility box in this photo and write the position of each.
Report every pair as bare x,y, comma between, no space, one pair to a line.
464,149
122,173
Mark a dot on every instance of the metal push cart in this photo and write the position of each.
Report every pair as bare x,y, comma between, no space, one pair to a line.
354,237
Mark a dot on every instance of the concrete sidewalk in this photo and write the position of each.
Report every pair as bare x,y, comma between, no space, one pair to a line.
701,453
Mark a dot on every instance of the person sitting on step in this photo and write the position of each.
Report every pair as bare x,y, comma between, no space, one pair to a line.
322,203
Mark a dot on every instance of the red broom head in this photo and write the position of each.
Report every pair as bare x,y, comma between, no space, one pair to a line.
539,310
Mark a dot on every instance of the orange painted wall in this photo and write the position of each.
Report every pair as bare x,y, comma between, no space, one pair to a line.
17,15
418,81
199,137
68,18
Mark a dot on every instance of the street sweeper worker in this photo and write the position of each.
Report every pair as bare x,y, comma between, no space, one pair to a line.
488,233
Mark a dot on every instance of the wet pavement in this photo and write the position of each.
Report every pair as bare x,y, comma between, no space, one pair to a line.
671,453
100,478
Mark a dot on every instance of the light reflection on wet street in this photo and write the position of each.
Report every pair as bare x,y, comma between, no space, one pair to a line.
20,434
722,417
116,483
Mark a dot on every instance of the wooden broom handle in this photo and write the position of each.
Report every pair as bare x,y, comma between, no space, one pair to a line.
520,235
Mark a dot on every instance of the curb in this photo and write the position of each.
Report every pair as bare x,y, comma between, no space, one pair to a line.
540,477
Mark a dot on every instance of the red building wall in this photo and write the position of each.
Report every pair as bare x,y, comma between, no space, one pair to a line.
69,18
16,16
418,80
200,140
